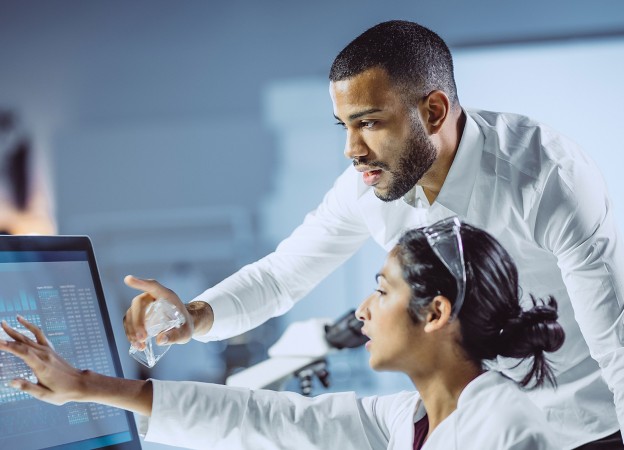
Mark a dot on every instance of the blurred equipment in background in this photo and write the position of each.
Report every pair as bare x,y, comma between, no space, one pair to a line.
301,352
25,204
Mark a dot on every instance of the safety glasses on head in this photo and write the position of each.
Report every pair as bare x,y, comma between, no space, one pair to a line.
444,238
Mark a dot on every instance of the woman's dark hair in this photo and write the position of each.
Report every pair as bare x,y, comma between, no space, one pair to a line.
415,58
491,319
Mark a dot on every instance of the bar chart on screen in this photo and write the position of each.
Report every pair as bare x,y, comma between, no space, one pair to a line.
20,304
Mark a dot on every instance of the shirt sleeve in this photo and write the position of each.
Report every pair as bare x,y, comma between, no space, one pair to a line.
202,415
270,287
575,221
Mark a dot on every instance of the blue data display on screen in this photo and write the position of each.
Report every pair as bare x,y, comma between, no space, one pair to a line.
55,291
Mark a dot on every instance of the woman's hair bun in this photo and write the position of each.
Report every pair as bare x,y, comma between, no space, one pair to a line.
531,333
539,313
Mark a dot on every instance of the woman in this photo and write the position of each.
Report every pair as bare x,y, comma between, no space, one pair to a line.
447,301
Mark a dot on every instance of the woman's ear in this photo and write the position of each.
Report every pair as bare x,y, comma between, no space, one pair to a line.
435,108
439,314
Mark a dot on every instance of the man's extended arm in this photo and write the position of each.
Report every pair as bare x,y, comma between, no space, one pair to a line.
270,287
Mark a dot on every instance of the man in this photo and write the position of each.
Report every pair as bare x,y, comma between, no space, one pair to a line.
418,156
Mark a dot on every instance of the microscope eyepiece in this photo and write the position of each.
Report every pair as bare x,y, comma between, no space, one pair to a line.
345,332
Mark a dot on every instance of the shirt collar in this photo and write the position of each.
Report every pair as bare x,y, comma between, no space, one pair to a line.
457,188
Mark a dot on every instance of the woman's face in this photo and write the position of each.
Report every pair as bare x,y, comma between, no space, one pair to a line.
393,335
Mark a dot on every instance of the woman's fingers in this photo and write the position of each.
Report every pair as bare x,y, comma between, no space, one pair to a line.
20,346
35,330
36,390
14,334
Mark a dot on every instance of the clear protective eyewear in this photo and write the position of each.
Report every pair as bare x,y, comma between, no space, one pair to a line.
444,238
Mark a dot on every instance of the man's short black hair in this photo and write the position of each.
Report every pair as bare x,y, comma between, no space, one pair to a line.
415,58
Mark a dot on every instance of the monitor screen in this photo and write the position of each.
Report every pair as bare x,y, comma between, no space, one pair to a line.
53,282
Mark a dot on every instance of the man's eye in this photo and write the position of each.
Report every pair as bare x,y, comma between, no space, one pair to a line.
368,123
380,292
341,125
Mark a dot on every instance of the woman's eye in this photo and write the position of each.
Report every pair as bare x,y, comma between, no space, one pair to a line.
380,292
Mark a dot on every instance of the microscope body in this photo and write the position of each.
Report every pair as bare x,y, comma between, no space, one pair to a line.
301,352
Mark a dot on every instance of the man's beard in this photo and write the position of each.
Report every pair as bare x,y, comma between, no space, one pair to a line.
418,155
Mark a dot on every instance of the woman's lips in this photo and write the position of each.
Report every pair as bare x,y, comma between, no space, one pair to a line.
372,177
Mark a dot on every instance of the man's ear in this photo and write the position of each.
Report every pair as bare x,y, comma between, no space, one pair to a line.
435,109
439,314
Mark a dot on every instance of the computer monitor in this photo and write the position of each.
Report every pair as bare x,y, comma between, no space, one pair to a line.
53,282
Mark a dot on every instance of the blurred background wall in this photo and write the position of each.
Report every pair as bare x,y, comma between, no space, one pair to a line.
187,138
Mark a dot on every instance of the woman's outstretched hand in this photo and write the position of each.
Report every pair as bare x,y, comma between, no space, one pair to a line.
58,382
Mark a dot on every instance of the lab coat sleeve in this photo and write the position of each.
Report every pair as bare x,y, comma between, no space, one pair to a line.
270,287
575,221
202,415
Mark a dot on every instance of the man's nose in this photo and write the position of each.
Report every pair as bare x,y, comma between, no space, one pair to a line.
355,147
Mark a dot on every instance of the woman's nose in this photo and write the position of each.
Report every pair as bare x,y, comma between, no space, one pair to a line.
362,312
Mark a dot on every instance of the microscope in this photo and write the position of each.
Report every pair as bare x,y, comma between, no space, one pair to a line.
301,352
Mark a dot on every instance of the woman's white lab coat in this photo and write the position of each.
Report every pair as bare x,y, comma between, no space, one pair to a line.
492,413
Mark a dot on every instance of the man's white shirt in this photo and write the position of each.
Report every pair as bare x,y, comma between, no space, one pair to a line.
547,204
